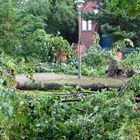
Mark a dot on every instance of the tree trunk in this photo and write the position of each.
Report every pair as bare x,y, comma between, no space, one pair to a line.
56,86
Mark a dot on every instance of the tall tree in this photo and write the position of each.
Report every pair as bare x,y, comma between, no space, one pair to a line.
63,19
9,25
39,10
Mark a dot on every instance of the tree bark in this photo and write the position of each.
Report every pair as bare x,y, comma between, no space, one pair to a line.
56,86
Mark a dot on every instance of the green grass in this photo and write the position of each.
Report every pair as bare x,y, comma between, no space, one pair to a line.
88,80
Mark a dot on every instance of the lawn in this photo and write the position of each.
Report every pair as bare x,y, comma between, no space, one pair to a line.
71,79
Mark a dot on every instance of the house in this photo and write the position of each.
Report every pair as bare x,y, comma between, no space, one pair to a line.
89,27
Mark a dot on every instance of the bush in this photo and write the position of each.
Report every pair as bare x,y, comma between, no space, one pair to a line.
45,47
96,57
96,61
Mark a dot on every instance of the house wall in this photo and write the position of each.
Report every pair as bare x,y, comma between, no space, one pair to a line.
88,36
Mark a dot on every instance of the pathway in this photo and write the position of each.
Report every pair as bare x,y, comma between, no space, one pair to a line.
64,78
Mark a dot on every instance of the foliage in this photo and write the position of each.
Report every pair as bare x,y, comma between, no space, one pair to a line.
121,16
131,62
96,59
18,22
22,21
94,62
124,7
46,47
40,9
9,67
69,68
102,115
52,15
121,45
96,116
133,86
63,19
115,32
9,25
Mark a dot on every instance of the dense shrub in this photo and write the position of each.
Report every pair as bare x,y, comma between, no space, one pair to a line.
96,57
45,47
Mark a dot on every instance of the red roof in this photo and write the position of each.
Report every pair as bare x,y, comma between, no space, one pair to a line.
89,6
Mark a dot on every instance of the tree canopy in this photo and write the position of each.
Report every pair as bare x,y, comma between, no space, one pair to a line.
123,14
20,18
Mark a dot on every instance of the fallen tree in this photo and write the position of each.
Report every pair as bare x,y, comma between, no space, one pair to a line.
58,86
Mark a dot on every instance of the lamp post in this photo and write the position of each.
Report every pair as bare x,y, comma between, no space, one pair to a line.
79,5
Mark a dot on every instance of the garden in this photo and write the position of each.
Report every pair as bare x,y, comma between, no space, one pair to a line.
41,97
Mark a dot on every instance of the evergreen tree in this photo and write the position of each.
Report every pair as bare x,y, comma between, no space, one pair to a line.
63,19
33,16
9,25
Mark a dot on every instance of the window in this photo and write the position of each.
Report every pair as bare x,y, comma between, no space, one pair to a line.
84,25
89,25
96,11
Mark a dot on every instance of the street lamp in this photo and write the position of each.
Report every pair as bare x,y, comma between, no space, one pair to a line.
79,5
